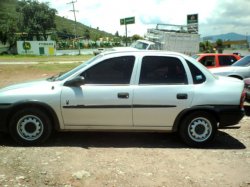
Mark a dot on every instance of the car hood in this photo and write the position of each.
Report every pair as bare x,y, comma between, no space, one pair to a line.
33,90
35,83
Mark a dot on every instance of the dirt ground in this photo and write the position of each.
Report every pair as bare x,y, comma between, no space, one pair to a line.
124,159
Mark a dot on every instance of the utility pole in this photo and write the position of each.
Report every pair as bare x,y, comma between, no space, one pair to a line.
74,11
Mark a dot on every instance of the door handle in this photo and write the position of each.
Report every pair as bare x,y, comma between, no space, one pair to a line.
123,95
182,96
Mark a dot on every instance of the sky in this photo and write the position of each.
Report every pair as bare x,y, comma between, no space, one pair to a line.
215,16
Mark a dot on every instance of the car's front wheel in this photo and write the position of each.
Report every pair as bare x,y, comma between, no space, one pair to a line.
30,126
198,129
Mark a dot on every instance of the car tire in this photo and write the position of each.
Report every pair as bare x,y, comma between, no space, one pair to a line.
30,126
198,129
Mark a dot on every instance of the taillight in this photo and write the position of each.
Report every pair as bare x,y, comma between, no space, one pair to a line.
242,99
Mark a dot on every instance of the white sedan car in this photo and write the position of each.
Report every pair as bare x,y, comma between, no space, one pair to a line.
125,91
240,69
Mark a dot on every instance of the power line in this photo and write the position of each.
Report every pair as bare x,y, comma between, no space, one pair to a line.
75,29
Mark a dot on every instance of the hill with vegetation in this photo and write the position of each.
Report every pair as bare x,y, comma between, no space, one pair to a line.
65,28
11,23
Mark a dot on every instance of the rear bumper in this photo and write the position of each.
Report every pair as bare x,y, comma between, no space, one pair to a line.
229,115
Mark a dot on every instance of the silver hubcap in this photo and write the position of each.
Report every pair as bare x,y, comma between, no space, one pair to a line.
200,129
30,127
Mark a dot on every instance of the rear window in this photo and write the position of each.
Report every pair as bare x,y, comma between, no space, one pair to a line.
227,60
197,75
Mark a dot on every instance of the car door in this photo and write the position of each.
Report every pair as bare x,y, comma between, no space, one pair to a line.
162,92
104,100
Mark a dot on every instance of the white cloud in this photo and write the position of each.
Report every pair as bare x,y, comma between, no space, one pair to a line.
213,15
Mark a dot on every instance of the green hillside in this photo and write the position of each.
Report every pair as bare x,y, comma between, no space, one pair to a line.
66,26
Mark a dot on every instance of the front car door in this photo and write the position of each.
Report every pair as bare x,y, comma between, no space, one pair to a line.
104,100
162,92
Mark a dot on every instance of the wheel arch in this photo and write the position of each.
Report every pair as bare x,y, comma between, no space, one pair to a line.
186,112
236,76
35,104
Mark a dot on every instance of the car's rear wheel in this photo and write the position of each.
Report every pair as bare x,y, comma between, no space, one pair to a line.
198,129
30,126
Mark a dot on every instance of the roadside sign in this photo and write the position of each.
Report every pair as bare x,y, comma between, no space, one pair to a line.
126,21
192,23
192,19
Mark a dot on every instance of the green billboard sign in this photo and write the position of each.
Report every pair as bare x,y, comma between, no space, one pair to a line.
192,19
126,21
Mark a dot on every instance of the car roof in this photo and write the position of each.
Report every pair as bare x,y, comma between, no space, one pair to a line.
217,54
152,52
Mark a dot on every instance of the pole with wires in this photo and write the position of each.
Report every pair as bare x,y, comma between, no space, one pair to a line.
75,26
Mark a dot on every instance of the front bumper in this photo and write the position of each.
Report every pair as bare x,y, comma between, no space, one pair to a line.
4,113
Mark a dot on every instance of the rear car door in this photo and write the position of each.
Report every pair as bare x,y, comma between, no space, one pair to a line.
162,92
226,60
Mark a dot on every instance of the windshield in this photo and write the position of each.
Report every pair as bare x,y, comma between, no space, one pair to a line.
71,72
139,45
195,56
243,62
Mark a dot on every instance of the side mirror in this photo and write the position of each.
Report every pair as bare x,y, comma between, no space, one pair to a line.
75,82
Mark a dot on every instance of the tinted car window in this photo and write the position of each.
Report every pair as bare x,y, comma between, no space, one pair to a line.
116,70
197,75
227,60
243,62
208,60
162,70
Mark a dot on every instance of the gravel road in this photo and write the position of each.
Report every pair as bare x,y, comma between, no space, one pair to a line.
124,159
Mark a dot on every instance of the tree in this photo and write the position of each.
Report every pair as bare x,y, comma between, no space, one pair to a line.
219,46
206,47
136,37
8,22
86,34
116,34
36,18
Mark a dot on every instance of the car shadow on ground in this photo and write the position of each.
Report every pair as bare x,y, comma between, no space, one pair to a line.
126,140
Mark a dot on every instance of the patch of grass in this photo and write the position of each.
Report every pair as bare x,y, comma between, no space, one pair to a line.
32,58
39,68
55,67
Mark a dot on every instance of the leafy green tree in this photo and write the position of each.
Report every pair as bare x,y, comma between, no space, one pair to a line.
8,22
206,47
116,34
86,34
136,37
36,18
219,46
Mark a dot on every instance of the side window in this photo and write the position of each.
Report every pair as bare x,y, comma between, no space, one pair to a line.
162,70
116,70
197,75
227,60
208,60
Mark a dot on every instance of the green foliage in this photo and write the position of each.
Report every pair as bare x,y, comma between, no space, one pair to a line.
36,18
64,25
136,37
24,19
219,46
8,21
86,34
206,47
